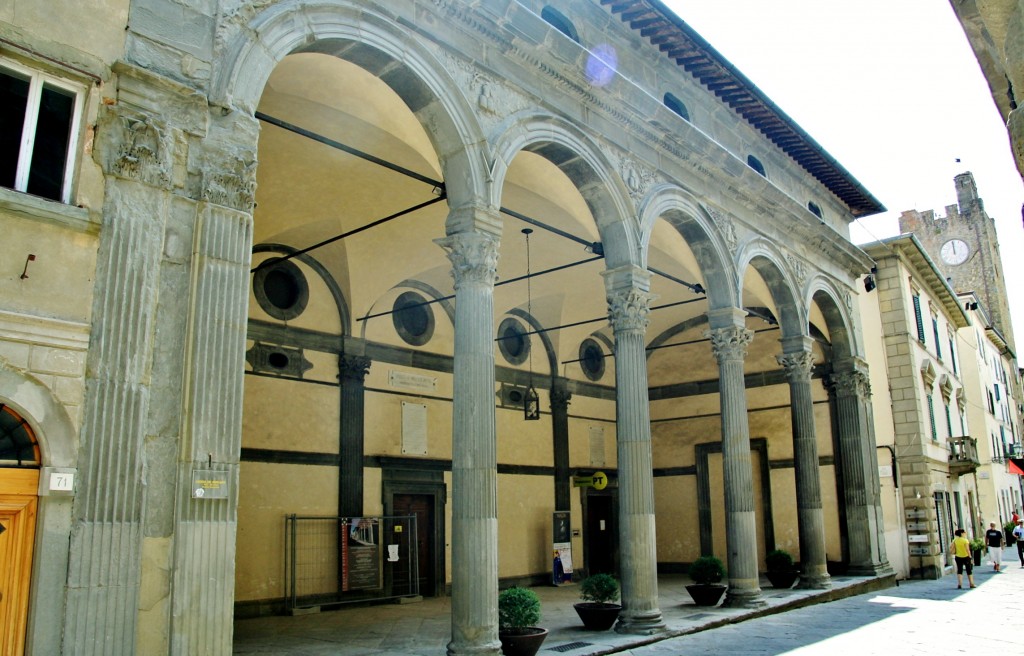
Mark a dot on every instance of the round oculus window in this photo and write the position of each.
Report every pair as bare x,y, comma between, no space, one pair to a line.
592,359
513,342
413,318
281,289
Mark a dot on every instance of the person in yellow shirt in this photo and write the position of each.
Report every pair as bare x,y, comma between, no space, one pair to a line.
961,550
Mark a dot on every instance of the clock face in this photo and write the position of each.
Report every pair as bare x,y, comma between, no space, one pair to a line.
954,251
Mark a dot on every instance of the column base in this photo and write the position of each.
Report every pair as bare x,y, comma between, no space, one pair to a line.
645,623
871,569
744,598
467,649
815,582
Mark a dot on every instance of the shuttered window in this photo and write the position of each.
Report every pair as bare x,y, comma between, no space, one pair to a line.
918,318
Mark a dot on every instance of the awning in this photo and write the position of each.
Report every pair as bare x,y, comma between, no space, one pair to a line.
1017,466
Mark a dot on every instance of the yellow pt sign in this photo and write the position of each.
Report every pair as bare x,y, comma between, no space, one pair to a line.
598,481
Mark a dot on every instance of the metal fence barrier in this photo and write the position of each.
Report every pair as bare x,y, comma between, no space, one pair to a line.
339,560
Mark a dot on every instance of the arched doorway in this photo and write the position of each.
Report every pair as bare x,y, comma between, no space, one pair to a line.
19,482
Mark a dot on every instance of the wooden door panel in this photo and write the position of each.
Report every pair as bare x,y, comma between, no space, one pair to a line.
18,517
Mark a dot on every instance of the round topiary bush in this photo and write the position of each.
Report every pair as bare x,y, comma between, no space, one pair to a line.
706,570
599,588
518,608
779,560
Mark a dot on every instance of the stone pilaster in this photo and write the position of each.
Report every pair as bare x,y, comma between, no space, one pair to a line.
628,307
474,258
729,341
560,397
352,370
852,392
798,362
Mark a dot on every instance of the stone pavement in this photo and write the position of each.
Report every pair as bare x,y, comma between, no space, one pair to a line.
864,614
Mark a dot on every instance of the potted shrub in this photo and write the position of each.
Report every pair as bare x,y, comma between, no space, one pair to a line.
977,545
707,573
781,571
598,609
518,614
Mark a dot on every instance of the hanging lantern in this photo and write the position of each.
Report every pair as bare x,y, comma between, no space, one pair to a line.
531,404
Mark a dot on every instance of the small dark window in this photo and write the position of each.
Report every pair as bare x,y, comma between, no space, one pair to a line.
413,318
281,289
38,115
558,21
513,341
277,360
592,359
756,164
677,106
17,444
813,207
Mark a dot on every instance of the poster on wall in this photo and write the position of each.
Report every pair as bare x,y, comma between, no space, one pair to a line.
360,554
561,568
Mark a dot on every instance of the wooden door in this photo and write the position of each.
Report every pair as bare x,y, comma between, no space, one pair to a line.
18,520
421,506
601,534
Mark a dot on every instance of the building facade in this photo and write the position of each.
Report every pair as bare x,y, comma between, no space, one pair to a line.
311,260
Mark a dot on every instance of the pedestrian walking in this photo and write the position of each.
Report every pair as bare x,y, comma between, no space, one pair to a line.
995,540
1018,532
961,550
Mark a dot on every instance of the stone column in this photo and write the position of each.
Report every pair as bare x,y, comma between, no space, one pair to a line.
798,361
729,341
628,306
857,458
352,374
560,397
474,258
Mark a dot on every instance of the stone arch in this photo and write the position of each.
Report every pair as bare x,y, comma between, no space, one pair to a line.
369,39
54,431
767,260
685,214
838,318
567,147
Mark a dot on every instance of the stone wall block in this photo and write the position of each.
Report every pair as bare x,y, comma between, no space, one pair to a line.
60,362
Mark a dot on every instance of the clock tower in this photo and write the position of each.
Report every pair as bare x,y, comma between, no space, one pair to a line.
964,247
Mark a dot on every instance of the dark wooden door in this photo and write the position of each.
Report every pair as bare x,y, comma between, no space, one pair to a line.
601,534
420,506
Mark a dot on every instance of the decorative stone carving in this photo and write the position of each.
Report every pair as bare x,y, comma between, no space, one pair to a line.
928,373
848,299
726,227
233,186
850,383
798,366
353,367
637,177
799,268
474,257
730,343
136,148
560,398
628,310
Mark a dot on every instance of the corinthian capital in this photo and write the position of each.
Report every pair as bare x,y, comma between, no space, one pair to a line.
851,383
730,343
797,365
474,257
628,310
353,367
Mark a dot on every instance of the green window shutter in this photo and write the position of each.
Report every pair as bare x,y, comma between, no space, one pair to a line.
938,344
931,417
917,316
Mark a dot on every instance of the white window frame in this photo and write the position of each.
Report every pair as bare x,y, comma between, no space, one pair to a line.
36,80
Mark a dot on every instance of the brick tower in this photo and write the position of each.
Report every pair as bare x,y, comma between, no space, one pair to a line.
964,246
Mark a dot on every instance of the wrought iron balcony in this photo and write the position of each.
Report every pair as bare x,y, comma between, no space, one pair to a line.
963,455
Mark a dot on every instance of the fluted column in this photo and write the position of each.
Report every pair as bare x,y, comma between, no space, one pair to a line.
865,533
628,307
474,258
560,397
352,370
798,361
729,341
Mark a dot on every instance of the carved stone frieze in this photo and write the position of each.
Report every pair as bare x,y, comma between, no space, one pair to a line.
730,343
474,257
628,310
798,267
638,178
495,99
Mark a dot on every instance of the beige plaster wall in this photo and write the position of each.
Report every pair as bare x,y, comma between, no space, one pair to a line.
675,504
525,504
266,494
273,408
